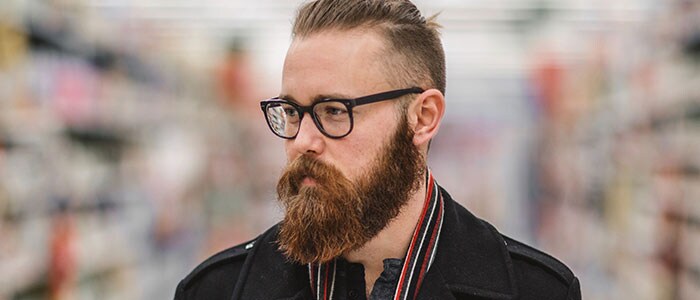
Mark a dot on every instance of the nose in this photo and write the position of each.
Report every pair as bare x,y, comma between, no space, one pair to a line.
309,140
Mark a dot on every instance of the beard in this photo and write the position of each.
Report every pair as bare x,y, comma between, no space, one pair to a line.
337,215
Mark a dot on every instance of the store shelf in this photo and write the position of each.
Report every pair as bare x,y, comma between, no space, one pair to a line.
570,124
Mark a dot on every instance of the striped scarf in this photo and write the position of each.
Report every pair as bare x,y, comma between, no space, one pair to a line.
419,256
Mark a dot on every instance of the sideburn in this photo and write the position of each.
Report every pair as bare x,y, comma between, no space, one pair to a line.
399,173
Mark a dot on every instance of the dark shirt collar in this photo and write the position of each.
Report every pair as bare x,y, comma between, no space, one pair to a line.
350,283
385,286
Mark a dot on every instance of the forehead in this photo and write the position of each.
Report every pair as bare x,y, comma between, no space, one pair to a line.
344,63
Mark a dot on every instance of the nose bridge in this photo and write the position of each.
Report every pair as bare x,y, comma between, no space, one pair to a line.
309,139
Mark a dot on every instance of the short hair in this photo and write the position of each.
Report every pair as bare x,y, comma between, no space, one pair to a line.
416,40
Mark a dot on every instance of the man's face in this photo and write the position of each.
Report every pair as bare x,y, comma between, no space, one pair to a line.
339,64
338,193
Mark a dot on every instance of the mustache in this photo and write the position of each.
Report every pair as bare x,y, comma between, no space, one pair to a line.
307,166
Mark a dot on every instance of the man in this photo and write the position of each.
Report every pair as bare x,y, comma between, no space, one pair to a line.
361,99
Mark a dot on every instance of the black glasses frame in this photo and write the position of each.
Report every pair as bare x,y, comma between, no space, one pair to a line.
349,105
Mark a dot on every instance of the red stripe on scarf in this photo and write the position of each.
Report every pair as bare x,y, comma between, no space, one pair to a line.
429,254
415,238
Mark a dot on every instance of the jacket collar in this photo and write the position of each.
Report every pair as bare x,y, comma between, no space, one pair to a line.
268,274
471,260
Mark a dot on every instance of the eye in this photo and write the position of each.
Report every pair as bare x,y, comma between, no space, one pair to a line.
290,111
335,111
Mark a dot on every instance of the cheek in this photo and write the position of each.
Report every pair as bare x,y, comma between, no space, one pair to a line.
374,135
357,159
371,138
288,150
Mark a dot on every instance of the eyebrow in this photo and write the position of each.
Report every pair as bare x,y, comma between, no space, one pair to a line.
316,98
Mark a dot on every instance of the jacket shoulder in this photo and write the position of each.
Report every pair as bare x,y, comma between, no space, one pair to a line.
217,274
521,251
536,268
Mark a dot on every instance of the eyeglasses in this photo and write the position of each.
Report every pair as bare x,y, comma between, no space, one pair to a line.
333,117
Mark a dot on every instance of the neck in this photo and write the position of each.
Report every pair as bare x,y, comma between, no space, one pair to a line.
391,242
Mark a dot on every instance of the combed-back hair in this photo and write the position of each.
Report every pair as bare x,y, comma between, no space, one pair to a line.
414,53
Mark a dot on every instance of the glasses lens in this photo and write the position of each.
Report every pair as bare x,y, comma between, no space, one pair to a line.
283,119
333,117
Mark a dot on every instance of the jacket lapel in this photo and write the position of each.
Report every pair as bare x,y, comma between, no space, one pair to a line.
434,286
269,275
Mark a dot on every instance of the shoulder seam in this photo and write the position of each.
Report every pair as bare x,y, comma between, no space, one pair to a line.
574,292
236,252
537,257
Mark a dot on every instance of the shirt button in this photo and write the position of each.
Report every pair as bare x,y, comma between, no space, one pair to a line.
352,294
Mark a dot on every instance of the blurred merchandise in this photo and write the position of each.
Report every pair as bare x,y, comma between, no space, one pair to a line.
617,160
119,169
132,145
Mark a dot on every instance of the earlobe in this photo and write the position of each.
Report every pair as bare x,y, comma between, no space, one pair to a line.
427,111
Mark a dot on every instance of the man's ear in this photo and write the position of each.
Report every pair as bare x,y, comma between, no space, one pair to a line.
425,114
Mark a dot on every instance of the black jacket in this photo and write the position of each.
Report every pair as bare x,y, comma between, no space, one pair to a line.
473,261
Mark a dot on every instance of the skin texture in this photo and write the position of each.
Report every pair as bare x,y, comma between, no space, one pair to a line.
349,64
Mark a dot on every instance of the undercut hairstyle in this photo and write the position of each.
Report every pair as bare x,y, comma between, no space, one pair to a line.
414,53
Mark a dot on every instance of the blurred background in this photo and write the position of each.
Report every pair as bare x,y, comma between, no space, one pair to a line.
132,146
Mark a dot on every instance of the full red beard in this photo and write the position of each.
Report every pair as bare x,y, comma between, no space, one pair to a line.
336,215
